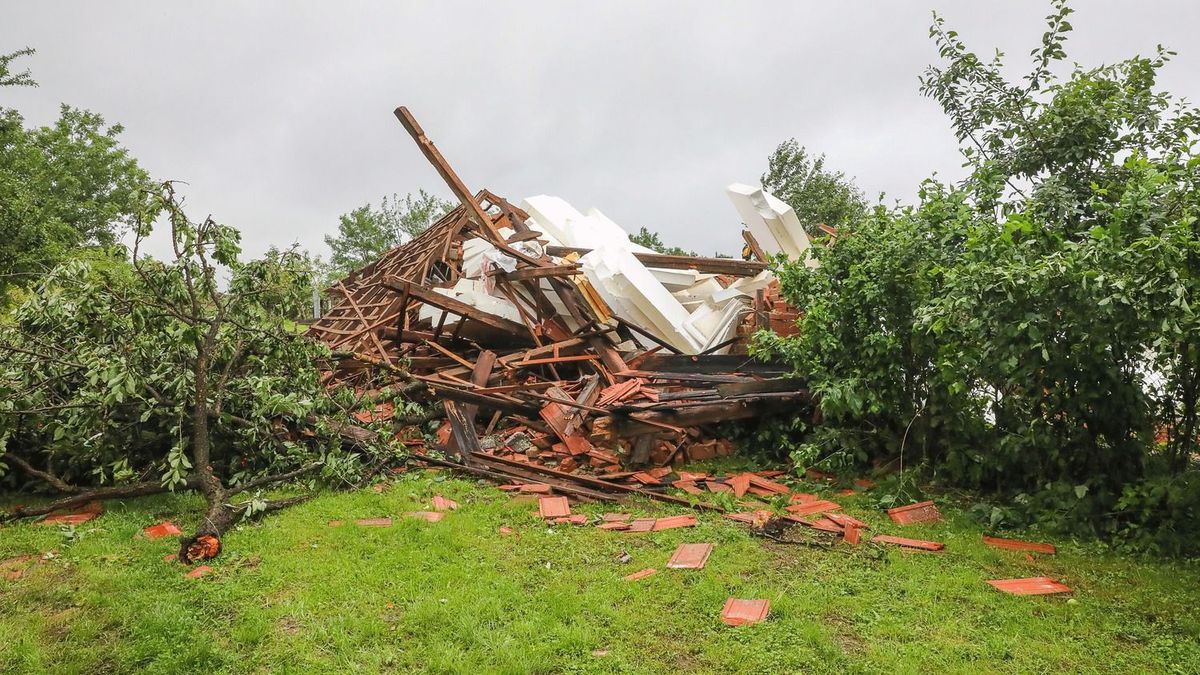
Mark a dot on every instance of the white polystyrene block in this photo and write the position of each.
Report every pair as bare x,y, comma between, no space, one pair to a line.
774,224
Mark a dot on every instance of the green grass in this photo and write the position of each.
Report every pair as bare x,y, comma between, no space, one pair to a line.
292,594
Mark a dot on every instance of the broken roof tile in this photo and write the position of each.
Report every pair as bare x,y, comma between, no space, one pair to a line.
811,508
642,525
739,612
554,507
1018,545
87,512
574,519
673,522
535,488
199,572
688,486
1030,586
921,512
740,484
427,516
769,485
852,534
441,503
616,517
645,478
163,529
714,486
909,543
505,531
846,520
373,522
642,574
690,557
802,498
613,525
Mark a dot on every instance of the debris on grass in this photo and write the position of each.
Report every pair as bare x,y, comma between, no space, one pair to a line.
1018,545
554,507
373,522
739,612
909,543
921,512
1030,586
690,557
427,516
163,529
642,574
89,511
441,503
198,572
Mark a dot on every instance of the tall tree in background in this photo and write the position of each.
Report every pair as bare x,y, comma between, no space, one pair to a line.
818,194
652,241
62,187
366,232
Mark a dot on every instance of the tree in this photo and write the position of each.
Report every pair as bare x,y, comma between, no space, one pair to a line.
141,375
366,233
652,241
63,186
819,195
1030,331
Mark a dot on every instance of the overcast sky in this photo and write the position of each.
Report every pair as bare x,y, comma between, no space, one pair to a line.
279,115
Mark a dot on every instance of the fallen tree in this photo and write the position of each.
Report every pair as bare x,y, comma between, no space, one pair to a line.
126,376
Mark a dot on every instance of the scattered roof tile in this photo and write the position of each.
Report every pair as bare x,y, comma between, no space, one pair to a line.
673,522
909,543
163,529
441,503
810,508
373,522
739,612
198,572
1030,586
690,556
921,512
554,507
1018,545
642,574
427,516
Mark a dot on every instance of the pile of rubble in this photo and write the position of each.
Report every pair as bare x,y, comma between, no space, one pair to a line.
559,348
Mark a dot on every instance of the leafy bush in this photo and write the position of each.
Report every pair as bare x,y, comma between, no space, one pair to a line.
1031,330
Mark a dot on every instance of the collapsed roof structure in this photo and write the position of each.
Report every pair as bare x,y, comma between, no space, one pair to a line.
554,343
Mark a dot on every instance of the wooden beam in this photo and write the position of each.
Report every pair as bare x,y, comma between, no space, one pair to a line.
727,266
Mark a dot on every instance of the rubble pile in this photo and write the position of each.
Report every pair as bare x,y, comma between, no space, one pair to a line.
555,344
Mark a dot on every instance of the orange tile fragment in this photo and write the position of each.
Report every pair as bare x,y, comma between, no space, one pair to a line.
690,557
535,488
88,512
336,523
846,493
616,517
614,525
1018,545
427,516
739,612
198,572
714,486
811,508
769,485
688,486
373,522
505,531
575,519
1030,586
909,543
163,529
851,535
846,520
802,498
864,483
673,522
921,512
441,503
554,507
645,478
641,574
642,525
740,484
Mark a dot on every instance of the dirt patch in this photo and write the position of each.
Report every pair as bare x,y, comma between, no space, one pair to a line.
844,635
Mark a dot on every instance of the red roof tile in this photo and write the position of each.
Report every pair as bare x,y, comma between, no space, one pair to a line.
1030,586
163,529
810,508
554,507
374,522
922,512
673,522
909,543
198,572
690,556
441,503
1018,545
641,574
427,516
642,525
738,612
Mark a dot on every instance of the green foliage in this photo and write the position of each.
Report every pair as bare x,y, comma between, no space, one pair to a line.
817,194
64,186
652,241
109,362
1030,331
366,232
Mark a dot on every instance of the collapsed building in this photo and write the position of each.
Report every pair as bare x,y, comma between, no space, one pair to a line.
558,348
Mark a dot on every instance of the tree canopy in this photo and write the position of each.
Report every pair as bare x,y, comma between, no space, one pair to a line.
819,196
367,232
63,186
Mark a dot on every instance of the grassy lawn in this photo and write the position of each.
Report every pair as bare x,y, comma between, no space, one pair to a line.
292,594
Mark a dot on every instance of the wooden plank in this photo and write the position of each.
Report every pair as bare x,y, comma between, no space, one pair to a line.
466,440
727,266
528,273
479,377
